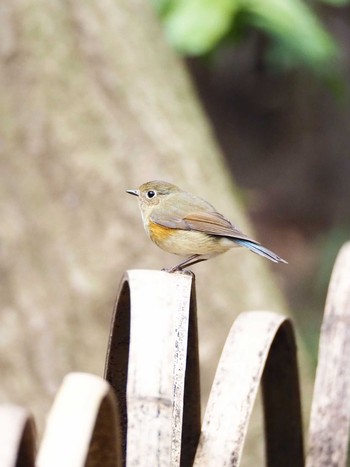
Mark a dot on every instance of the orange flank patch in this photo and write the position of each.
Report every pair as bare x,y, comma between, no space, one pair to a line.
159,233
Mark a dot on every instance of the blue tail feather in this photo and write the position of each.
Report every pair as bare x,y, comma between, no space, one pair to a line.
260,250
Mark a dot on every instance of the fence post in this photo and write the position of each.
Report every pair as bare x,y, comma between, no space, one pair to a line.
149,413
330,413
17,437
152,359
82,427
260,344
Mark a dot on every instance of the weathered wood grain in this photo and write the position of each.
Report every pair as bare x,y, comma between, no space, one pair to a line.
330,412
17,437
147,413
153,355
253,344
82,428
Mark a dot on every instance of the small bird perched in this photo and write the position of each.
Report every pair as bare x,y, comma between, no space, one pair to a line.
186,225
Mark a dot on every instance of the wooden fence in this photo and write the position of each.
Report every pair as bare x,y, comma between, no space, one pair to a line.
146,411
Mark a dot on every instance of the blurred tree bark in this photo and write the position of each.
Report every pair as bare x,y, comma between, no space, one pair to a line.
93,102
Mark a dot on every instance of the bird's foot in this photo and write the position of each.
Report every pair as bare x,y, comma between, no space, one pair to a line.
177,269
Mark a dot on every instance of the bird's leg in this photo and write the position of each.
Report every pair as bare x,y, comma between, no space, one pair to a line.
188,262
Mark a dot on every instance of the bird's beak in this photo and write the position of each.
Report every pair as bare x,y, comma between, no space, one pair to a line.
133,192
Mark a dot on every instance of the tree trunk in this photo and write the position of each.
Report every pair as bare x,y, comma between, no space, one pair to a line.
94,102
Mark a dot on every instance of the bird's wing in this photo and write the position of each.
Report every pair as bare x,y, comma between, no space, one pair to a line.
212,223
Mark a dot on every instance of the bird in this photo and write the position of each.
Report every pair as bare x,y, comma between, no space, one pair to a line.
186,225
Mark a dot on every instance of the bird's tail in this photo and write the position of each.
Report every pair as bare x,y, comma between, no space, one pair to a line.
260,250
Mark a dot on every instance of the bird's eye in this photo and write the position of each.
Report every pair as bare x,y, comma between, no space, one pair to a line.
151,194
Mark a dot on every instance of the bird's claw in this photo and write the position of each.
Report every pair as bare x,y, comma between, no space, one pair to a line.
176,269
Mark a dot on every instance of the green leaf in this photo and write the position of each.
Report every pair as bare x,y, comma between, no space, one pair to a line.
196,26
293,25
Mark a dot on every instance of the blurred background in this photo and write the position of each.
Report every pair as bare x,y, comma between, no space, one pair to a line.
243,103
274,80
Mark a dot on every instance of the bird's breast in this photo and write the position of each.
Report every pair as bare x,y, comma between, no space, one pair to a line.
158,233
187,242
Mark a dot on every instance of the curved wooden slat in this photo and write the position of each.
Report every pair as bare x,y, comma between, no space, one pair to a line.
153,356
17,437
82,428
117,359
330,412
281,402
257,340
